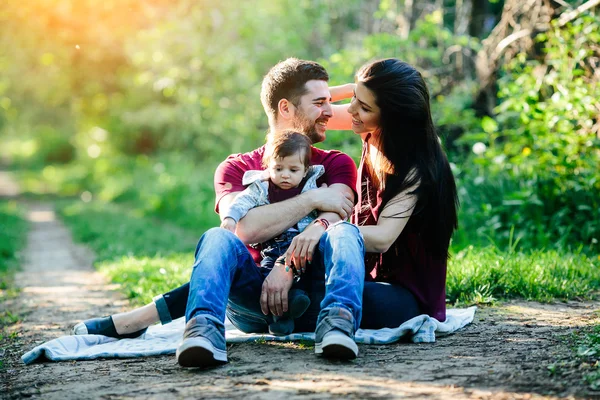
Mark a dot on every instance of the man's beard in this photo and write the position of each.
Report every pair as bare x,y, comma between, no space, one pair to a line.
308,128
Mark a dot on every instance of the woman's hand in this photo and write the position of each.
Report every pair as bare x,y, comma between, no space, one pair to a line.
303,246
275,288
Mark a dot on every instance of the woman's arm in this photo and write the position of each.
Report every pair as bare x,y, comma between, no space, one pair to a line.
379,238
341,120
341,92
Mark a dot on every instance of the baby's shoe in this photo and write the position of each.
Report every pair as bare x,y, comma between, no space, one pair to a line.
298,304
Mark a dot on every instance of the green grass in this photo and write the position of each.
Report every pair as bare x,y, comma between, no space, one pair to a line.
585,343
142,278
589,350
13,230
8,318
482,275
146,256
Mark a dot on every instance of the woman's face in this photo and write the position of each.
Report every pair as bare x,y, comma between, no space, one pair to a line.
364,111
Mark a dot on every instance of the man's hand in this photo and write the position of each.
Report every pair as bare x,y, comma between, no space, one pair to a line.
229,224
275,288
303,246
331,200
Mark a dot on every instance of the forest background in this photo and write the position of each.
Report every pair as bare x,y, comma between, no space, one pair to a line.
119,112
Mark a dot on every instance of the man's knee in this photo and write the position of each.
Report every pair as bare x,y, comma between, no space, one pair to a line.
343,230
219,233
218,238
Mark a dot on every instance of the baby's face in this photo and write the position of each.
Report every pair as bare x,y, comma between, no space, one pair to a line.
287,172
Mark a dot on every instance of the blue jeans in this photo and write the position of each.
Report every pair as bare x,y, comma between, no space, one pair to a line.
225,278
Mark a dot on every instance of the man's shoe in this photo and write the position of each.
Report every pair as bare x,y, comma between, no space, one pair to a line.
334,337
103,326
203,344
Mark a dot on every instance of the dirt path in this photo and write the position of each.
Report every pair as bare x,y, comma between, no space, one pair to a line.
504,354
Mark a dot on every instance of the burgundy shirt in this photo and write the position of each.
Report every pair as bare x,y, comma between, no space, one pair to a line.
339,168
407,262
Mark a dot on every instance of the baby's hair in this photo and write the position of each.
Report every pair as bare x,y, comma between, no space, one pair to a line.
287,143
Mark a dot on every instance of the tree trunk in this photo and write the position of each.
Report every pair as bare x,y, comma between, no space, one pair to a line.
521,20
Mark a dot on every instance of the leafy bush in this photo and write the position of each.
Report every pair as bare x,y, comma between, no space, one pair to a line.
193,80
537,171
171,187
27,146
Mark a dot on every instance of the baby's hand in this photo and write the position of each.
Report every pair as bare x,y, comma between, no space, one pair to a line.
229,224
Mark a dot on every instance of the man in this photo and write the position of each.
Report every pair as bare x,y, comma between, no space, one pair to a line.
295,96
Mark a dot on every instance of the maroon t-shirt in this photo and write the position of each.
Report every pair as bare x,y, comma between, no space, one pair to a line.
407,262
339,168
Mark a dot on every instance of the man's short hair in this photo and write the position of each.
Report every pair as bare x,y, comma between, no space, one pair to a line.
287,80
285,144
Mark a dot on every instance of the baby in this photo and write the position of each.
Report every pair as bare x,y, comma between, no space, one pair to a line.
288,173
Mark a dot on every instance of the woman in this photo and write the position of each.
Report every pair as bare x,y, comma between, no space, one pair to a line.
406,209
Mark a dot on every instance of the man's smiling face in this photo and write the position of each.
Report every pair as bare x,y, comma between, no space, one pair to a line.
313,111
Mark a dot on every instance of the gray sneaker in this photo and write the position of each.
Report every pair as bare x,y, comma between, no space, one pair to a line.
203,344
334,337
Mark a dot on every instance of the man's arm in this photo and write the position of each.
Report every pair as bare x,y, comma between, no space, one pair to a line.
268,221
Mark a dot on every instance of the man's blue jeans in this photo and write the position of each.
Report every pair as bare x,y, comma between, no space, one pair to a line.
225,278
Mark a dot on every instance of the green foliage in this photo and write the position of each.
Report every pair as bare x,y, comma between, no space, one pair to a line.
171,187
429,47
58,59
13,229
539,172
482,275
114,232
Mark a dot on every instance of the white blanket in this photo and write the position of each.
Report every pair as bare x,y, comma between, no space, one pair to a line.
164,339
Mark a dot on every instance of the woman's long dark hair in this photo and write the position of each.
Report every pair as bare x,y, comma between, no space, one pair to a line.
412,153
